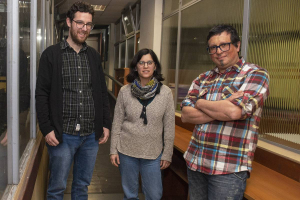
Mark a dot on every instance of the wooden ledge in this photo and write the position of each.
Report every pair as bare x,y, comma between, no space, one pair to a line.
182,138
27,182
264,183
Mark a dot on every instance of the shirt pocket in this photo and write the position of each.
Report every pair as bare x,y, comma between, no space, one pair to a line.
203,93
67,81
229,90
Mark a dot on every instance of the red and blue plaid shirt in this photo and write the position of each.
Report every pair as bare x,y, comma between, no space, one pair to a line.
223,147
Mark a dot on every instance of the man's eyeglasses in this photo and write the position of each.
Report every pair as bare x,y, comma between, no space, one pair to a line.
223,47
80,24
142,63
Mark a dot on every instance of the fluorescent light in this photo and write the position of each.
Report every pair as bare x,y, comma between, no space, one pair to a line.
99,7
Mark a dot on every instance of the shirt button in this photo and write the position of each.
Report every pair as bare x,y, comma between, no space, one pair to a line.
79,91
79,67
79,79
81,104
80,116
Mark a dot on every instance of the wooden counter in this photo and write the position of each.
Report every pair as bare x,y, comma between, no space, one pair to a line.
263,184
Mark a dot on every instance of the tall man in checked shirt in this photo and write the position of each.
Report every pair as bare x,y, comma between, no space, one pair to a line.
225,104
72,105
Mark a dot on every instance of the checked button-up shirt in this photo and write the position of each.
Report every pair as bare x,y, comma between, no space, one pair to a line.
223,147
78,103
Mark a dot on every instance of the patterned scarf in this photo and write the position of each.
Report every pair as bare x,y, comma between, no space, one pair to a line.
145,94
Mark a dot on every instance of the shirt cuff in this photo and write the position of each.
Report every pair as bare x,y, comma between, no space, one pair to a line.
186,103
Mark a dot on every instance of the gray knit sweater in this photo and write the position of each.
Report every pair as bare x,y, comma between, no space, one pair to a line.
130,136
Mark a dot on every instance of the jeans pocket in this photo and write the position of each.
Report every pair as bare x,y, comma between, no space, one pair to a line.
242,175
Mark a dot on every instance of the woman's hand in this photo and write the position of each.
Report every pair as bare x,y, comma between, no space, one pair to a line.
114,159
164,164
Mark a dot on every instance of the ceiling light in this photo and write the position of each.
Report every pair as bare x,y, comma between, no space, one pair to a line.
99,7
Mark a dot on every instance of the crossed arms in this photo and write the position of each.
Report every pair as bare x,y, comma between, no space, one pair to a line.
206,111
240,105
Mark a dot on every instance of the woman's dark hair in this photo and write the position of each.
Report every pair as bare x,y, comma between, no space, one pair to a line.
133,74
80,6
217,30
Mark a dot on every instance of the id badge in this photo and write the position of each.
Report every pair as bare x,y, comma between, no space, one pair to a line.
77,127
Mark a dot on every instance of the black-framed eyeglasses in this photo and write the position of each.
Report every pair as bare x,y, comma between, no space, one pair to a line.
142,63
80,24
223,47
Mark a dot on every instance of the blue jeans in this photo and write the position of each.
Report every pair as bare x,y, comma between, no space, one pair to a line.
130,168
83,151
215,187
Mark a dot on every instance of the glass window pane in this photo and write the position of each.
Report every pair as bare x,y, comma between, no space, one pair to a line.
3,98
116,56
117,32
128,22
170,6
186,1
24,88
134,15
194,58
39,37
274,45
169,46
123,51
139,17
130,50
137,42
123,35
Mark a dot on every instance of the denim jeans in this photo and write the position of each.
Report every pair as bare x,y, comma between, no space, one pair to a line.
216,187
130,168
83,151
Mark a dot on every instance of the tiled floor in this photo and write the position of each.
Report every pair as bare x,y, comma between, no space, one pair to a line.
106,180
104,196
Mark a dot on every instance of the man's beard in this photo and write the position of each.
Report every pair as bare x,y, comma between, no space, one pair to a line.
75,37
222,62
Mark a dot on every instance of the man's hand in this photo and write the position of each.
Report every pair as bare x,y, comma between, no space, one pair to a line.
104,139
235,95
51,139
114,159
164,164
4,140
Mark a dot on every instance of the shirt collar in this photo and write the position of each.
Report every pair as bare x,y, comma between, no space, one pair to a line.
64,44
237,67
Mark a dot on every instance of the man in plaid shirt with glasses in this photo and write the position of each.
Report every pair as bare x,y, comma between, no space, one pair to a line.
225,104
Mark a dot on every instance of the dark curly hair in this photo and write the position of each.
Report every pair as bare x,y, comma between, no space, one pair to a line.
217,30
133,74
80,6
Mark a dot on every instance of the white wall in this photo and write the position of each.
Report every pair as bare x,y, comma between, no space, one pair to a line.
158,27
111,54
151,25
150,30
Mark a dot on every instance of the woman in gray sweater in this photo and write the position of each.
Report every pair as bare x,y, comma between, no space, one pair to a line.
143,128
